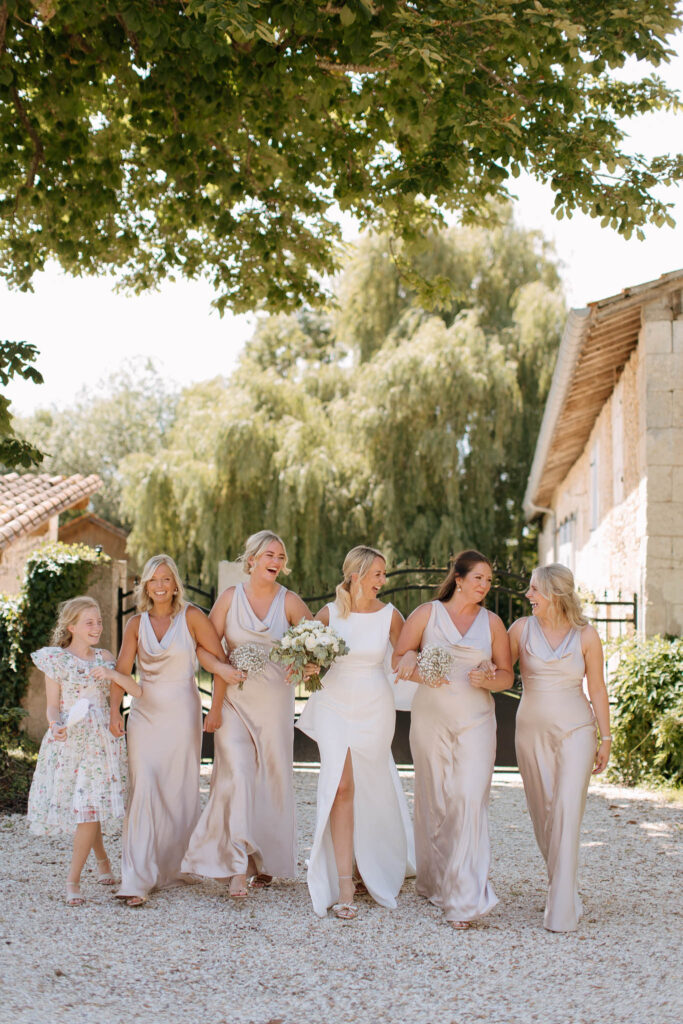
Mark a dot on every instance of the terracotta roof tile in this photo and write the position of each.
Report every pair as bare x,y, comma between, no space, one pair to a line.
30,499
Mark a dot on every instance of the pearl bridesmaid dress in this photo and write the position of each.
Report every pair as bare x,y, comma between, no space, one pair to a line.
251,808
556,742
453,742
355,712
164,750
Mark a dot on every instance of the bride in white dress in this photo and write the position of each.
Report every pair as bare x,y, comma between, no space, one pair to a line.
361,810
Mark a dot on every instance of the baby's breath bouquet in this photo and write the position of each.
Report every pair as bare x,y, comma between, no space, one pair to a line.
249,658
434,663
308,643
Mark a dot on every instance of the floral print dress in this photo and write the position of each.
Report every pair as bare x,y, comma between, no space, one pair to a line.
84,777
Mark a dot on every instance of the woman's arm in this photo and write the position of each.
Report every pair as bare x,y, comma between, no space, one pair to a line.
124,665
597,691
126,683
514,636
404,658
211,657
501,676
397,621
53,693
296,609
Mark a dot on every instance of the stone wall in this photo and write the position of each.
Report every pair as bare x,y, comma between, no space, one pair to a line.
13,558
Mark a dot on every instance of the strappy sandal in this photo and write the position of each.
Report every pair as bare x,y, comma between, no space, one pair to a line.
345,911
105,877
73,895
238,894
459,926
135,901
260,881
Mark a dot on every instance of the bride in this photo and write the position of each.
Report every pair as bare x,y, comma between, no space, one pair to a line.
361,809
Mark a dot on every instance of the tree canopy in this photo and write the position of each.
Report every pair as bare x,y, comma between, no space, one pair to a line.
220,139
16,360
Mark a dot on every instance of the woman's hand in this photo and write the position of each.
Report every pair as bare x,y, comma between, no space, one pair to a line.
213,720
58,731
483,675
116,724
229,674
405,669
103,672
602,756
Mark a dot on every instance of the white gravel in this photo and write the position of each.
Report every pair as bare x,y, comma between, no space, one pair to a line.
191,955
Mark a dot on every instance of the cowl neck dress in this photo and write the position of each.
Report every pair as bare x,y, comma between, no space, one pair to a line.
164,750
354,712
453,742
251,809
556,742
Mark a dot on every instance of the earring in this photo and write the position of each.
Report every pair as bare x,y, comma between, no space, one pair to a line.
458,588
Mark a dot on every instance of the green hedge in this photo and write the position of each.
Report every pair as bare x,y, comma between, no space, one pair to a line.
54,573
647,725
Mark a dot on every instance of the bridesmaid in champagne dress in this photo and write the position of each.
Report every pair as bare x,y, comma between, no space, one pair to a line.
453,739
361,809
556,736
164,730
248,827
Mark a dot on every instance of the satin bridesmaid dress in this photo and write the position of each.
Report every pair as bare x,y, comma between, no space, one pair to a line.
164,750
251,810
453,742
355,712
556,742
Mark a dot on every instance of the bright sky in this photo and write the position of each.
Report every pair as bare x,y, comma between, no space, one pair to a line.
84,330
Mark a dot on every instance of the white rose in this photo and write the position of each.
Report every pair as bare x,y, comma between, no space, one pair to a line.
309,643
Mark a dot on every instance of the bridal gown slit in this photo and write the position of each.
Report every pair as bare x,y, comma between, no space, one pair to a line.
251,810
453,742
164,750
556,742
354,714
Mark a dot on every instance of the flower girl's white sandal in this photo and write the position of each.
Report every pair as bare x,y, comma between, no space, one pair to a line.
73,895
105,877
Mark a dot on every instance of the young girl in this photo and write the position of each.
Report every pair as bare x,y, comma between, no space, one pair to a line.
80,778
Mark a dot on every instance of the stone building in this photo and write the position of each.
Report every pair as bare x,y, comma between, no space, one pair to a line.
607,474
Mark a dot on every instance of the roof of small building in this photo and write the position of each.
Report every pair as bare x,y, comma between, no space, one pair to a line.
595,347
90,518
28,500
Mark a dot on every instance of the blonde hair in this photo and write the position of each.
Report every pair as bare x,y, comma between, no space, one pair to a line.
69,613
142,599
358,561
556,582
257,544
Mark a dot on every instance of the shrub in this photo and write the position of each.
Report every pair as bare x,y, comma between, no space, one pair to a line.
647,691
54,573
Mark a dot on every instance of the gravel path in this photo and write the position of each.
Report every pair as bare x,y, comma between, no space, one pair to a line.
191,955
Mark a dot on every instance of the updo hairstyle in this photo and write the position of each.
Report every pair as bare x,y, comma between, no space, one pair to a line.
358,561
462,564
142,599
69,612
256,544
556,582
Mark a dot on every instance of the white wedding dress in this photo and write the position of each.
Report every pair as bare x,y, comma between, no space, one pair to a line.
355,712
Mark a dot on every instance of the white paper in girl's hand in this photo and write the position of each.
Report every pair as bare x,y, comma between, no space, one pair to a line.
77,711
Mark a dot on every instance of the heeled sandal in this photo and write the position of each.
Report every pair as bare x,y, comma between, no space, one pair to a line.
73,895
260,881
459,926
345,911
238,894
105,877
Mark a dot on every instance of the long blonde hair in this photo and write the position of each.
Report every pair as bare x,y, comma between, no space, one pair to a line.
256,544
69,613
556,582
142,599
358,561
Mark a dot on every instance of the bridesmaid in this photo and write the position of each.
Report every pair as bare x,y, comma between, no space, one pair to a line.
164,730
361,808
453,738
556,736
248,827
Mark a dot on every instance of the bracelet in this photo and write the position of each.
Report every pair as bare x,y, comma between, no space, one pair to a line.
606,737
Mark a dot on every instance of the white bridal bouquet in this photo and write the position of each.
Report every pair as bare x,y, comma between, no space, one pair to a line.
434,663
249,658
308,643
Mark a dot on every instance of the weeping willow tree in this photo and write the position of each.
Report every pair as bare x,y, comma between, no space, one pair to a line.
378,421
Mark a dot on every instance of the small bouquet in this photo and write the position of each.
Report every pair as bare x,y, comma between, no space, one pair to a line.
249,658
308,643
434,663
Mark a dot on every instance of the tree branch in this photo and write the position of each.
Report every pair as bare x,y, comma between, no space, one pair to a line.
39,152
4,18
